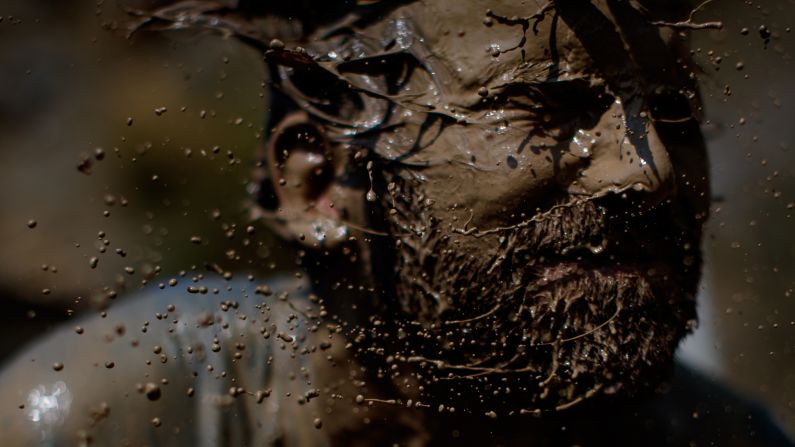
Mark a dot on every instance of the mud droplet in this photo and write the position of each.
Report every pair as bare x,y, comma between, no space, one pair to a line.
32,223
263,290
152,391
85,166
261,395
371,197
764,32
276,44
317,423
156,422
57,366
512,162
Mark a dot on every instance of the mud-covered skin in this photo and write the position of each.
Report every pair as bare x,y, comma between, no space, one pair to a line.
544,180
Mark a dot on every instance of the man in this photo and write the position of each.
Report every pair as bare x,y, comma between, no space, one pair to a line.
498,206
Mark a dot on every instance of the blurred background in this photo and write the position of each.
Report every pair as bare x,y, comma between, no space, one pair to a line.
125,162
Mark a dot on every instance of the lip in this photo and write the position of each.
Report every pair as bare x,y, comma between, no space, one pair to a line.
608,261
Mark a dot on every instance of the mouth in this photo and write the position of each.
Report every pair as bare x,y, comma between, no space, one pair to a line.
630,255
662,269
657,243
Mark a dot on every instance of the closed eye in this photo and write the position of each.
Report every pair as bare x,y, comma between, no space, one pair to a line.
564,105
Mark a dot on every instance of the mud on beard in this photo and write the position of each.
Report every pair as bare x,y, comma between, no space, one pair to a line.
521,327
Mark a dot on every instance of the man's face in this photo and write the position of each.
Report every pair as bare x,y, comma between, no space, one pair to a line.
546,185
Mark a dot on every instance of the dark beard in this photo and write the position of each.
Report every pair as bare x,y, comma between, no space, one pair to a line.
532,321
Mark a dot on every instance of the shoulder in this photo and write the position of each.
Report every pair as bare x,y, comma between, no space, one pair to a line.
137,374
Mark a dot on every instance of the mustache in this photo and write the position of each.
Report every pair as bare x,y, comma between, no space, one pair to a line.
560,229
563,227
590,226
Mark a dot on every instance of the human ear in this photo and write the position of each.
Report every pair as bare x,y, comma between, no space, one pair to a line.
301,166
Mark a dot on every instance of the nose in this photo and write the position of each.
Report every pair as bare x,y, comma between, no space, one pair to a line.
623,151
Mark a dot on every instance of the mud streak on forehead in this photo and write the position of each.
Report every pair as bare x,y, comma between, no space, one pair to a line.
460,40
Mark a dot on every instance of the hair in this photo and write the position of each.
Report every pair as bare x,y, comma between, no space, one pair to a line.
256,22
259,21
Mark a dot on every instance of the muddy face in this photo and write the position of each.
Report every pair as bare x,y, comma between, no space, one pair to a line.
542,179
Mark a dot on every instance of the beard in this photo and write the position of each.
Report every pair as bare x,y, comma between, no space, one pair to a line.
589,298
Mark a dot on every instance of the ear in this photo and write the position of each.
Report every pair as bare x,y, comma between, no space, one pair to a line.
302,167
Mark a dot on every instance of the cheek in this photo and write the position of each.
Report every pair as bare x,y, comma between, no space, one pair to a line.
501,186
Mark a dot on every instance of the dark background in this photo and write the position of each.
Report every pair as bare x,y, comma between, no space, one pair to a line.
69,82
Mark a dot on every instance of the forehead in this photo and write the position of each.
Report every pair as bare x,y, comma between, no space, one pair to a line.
482,42
476,43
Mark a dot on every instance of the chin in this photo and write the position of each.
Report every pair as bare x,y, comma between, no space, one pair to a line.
576,332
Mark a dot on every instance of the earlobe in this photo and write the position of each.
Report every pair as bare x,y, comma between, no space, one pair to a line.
301,166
